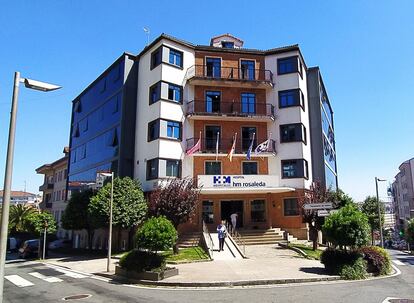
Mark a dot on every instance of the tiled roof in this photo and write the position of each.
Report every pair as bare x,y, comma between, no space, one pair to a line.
18,193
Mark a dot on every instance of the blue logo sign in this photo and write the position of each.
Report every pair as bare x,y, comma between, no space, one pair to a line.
221,180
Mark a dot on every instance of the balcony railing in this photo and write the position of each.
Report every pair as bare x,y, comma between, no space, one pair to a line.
238,109
46,186
208,145
230,73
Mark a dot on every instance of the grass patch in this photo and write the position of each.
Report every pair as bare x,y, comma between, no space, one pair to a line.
313,254
186,254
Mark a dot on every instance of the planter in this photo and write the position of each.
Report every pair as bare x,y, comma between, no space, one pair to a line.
146,275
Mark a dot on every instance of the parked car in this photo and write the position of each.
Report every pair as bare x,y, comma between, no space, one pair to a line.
30,248
60,243
12,244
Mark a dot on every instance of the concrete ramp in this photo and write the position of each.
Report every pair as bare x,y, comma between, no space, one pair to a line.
230,251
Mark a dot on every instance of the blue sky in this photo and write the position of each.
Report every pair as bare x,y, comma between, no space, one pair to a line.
364,49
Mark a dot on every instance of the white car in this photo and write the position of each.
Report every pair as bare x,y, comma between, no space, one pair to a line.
60,243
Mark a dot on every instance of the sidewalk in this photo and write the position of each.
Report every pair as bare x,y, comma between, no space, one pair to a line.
266,265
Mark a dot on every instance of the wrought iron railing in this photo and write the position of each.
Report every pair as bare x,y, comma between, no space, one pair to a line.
203,107
230,73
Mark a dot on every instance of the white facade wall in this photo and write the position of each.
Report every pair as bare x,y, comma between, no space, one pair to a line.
160,148
291,150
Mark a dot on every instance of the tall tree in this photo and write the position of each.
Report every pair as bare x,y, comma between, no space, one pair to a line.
129,206
370,208
76,215
176,199
19,218
341,199
42,220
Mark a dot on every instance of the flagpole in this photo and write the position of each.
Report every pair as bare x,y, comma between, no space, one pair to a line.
217,145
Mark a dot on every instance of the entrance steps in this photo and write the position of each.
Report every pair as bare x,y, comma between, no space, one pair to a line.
187,240
262,236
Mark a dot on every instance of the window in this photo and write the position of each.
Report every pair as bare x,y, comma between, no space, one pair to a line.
290,207
76,131
176,58
248,103
103,85
227,44
174,130
208,212
175,92
152,169
65,174
212,132
213,100
112,139
156,58
82,154
249,168
78,106
247,69
213,67
292,133
173,168
155,92
258,211
115,107
84,125
153,130
212,168
247,136
295,168
292,97
287,65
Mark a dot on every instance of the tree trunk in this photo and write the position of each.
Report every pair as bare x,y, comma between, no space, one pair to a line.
91,233
119,238
175,247
372,237
131,238
315,244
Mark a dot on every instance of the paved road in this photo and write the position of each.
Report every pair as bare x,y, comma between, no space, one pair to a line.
35,282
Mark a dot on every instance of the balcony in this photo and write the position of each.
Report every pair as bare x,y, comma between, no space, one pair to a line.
229,76
208,146
46,186
200,109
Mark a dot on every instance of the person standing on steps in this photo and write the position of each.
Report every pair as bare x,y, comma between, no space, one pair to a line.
233,218
222,233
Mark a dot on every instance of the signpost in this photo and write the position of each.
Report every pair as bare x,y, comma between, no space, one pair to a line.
316,206
323,213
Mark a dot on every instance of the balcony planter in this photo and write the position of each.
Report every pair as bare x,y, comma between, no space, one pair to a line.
146,275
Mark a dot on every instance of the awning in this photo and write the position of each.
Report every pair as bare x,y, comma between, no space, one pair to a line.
232,190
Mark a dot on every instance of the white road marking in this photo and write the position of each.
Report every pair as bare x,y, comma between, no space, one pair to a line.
18,281
398,262
45,278
69,273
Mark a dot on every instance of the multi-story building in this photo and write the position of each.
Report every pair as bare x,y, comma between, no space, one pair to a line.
54,189
190,105
21,197
403,193
324,168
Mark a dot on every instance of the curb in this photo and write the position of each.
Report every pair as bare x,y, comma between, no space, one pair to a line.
298,250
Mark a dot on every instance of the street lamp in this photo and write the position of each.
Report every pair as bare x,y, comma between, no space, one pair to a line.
379,210
32,84
108,261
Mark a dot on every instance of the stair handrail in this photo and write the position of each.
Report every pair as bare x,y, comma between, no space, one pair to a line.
208,239
237,236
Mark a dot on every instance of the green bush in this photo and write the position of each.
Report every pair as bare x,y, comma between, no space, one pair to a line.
348,227
139,260
335,259
378,259
156,234
355,271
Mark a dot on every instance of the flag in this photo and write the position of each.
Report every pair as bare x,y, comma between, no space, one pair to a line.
262,147
249,151
195,148
233,147
217,145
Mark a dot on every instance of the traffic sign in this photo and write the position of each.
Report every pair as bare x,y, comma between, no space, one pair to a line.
316,206
323,213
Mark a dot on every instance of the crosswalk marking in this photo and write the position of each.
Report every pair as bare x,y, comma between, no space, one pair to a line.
398,262
68,273
45,278
18,281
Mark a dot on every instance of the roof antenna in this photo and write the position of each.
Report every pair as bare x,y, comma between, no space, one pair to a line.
147,31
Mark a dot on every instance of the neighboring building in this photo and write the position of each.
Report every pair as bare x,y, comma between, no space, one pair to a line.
103,125
174,111
324,167
21,197
54,189
403,193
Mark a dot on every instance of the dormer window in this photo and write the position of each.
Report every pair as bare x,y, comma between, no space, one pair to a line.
227,44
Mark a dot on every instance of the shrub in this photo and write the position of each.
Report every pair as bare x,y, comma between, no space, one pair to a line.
334,259
355,271
156,234
138,260
348,227
378,259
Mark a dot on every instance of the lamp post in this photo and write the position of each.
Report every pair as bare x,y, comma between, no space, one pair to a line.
32,84
379,210
108,261
44,240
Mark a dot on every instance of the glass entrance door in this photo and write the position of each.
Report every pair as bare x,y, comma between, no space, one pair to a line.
230,207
